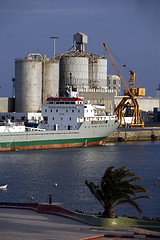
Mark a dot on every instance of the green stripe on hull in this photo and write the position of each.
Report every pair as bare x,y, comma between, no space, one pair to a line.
49,142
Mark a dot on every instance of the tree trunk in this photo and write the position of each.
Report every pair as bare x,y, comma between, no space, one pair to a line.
108,213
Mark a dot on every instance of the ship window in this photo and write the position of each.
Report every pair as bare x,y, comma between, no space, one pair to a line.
51,110
45,110
3,117
53,118
45,119
56,110
66,110
61,118
78,110
72,110
70,118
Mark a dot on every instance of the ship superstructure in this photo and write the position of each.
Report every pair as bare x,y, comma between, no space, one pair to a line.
70,113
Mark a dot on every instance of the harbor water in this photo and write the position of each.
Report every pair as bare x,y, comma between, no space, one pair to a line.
34,175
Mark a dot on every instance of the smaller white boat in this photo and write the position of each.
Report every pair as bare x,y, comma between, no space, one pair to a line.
3,187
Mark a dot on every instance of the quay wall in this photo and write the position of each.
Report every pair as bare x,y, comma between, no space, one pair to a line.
145,134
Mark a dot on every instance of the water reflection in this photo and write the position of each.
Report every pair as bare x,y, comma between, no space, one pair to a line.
31,175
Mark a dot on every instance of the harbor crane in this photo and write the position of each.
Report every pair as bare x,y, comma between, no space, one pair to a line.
129,104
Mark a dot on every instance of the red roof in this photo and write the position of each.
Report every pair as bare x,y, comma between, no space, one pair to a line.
64,99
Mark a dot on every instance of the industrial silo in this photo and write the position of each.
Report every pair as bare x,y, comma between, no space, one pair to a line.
74,71
50,75
97,72
80,41
28,84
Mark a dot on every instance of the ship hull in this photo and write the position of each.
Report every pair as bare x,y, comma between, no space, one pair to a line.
37,146
87,135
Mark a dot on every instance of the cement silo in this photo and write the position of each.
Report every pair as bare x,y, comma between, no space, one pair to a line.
28,84
74,71
97,72
50,75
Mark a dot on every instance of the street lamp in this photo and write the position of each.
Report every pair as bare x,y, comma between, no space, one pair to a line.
54,45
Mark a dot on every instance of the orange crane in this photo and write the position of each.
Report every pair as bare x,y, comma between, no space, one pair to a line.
129,103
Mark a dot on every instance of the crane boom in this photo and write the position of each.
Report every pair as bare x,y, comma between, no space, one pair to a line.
117,70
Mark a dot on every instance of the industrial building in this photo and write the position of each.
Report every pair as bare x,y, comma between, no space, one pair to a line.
32,118
101,98
7,105
147,104
38,77
113,83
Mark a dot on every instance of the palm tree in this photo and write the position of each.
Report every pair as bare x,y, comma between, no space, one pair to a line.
117,188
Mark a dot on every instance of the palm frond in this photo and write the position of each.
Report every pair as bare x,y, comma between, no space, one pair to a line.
140,197
134,179
96,191
130,202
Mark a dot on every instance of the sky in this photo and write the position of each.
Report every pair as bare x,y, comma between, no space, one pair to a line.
130,28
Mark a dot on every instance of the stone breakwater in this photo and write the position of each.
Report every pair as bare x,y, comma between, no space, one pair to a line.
131,134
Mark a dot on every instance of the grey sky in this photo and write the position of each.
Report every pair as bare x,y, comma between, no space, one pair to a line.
129,27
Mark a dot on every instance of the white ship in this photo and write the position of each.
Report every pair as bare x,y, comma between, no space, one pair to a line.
68,122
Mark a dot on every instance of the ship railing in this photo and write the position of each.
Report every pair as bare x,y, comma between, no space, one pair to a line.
29,129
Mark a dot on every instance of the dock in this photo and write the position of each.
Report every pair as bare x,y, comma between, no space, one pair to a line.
135,134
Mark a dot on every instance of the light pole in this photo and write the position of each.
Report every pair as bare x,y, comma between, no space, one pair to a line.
54,45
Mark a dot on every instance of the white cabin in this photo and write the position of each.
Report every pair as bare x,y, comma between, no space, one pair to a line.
66,113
